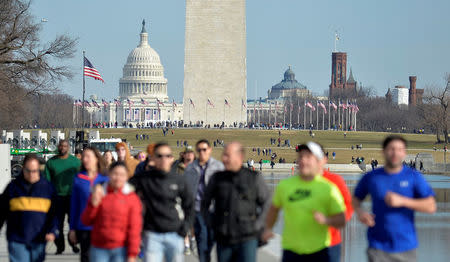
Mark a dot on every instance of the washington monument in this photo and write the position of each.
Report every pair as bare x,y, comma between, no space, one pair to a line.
215,74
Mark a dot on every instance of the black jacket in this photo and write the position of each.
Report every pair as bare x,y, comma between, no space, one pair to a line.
240,203
167,200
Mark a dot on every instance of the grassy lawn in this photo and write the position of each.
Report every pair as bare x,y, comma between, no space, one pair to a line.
331,140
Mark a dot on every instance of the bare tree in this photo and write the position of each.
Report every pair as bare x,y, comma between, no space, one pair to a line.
27,65
435,110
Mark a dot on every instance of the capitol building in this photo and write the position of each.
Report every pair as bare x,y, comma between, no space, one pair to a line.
142,96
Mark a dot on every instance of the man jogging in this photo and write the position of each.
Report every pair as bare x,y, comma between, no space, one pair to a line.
396,192
311,204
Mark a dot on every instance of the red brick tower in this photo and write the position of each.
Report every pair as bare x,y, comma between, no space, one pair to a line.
412,91
338,71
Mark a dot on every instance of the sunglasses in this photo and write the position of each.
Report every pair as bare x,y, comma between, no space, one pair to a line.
31,171
202,149
165,156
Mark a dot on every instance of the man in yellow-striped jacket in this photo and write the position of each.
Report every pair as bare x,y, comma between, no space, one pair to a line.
27,206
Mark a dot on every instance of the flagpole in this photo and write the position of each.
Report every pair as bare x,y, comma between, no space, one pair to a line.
84,91
329,114
339,113
317,114
323,118
304,115
290,115
206,112
334,117
298,113
270,110
310,117
276,111
259,114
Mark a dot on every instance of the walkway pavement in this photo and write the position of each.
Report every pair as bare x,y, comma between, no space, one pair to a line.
263,255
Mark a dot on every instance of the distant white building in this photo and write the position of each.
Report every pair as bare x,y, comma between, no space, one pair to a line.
400,95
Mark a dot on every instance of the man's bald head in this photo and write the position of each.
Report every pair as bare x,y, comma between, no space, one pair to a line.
233,156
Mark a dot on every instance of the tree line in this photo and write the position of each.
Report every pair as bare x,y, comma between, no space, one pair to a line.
30,71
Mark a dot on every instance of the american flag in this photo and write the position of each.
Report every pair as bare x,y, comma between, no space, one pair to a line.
322,106
117,102
243,104
292,107
226,103
333,105
209,103
159,102
260,105
173,103
144,102
86,103
89,70
191,102
78,102
308,104
95,103
104,103
356,108
130,102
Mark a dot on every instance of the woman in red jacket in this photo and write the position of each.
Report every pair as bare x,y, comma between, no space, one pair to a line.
115,212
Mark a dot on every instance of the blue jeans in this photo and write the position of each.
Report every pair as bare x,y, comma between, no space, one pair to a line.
204,236
19,252
334,253
241,252
108,255
160,246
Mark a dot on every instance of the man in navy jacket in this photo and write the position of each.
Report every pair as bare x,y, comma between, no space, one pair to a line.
28,207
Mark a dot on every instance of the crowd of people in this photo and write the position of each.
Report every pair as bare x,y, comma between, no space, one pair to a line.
152,207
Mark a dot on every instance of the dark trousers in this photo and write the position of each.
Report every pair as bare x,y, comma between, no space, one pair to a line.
205,238
240,252
84,238
334,252
62,209
319,256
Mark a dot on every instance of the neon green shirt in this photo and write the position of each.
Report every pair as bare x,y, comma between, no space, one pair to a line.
299,199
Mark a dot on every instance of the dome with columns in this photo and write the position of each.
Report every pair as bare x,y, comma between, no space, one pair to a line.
143,73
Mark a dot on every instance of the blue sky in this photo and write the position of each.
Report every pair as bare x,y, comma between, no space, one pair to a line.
385,40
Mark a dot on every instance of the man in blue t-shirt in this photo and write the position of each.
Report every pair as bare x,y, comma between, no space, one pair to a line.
397,191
